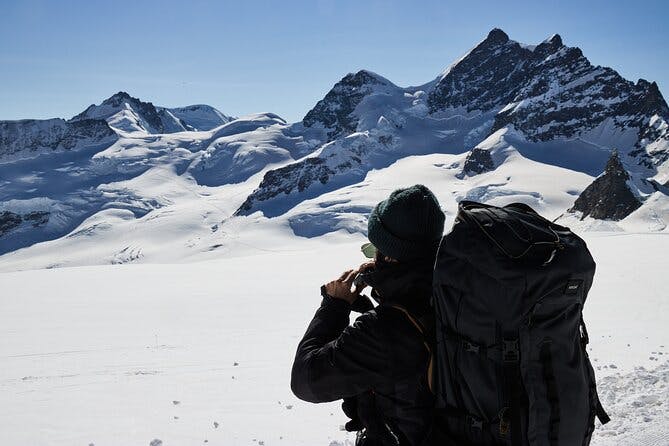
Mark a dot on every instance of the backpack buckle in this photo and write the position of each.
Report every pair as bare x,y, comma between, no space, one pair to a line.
510,350
469,347
474,423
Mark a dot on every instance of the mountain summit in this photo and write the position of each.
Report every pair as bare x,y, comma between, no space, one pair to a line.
546,101
129,114
507,122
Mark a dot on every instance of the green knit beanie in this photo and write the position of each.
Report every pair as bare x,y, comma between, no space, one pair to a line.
408,225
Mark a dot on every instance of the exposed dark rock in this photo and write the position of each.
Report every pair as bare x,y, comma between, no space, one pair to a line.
563,95
37,218
548,92
489,76
478,161
31,135
285,179
549,46
299,176
8,221
334,111
608,197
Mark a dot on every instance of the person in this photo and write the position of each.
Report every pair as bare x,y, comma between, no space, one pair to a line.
379,364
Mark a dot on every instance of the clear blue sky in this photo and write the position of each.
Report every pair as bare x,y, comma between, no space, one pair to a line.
57,57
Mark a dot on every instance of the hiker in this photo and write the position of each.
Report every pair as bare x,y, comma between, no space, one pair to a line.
379,365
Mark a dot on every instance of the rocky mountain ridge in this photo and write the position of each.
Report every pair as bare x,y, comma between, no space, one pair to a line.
548,93
30,137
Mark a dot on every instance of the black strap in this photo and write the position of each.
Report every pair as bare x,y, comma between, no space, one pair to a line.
511,389
552,394
585,338
602,416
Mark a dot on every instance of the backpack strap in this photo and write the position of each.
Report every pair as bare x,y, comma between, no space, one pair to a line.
511,389
601,414
421,330
546,359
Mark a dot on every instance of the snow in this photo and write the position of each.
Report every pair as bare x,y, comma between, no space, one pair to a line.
128,354
199,117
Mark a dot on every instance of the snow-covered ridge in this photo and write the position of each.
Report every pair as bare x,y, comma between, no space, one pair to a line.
30,137
198,117
506,122
129,114
549,94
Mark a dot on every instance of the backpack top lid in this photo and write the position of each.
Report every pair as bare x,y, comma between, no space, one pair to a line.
514,233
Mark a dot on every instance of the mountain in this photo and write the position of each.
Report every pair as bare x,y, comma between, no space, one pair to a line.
127,181
560,109
132,175
128,114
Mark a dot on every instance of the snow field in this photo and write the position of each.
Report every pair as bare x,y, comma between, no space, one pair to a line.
128,354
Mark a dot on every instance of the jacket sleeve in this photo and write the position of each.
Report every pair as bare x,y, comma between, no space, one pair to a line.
335,360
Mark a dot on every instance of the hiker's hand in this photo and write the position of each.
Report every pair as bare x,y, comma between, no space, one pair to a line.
367,265
341,288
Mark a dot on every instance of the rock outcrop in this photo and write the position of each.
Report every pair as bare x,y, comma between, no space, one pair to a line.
609,197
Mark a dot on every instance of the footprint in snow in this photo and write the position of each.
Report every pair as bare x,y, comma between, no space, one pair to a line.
156,442
175,402
215,424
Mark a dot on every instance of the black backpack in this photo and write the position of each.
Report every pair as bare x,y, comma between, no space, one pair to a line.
511,366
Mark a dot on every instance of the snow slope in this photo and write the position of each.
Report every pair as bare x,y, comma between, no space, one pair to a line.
120,355
199,117
184,221
139,174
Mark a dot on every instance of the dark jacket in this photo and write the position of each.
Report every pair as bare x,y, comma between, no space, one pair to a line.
381,360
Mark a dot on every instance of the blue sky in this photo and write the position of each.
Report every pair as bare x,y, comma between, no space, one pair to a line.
57,57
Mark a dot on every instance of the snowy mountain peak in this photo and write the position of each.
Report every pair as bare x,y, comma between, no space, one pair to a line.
496,37
334,113
555,40
118,98
546,102
549,46
125,113
129,114
487,76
